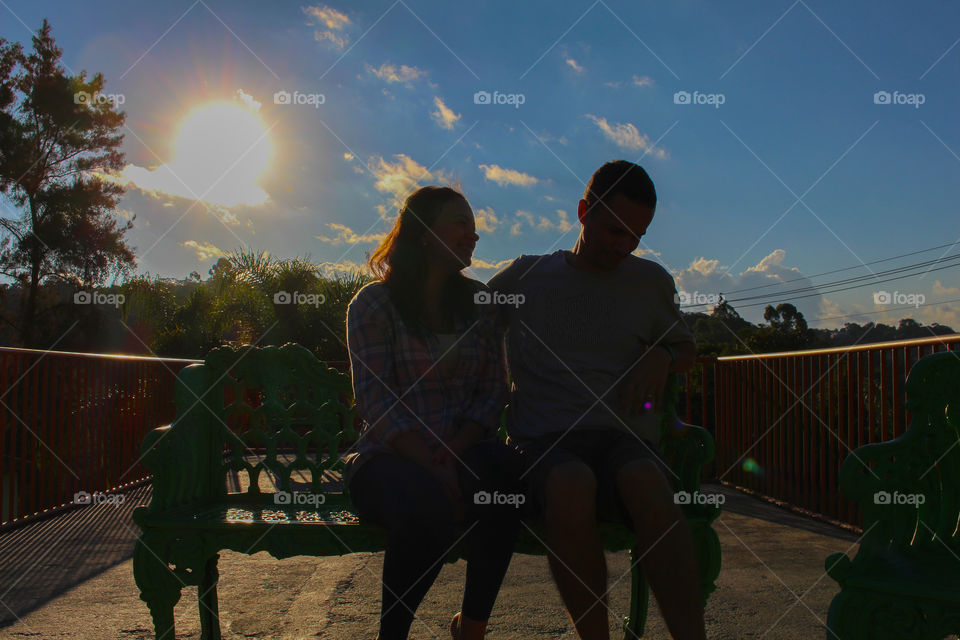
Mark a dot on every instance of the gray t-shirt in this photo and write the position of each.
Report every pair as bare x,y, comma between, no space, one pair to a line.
574,334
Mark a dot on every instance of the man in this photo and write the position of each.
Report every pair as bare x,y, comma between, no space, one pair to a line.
592,336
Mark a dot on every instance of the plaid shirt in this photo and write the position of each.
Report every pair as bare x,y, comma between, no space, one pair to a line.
398,384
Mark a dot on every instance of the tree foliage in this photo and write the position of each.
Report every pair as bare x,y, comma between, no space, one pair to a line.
58,141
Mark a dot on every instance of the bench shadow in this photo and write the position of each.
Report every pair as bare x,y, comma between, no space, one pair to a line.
744,504
44,559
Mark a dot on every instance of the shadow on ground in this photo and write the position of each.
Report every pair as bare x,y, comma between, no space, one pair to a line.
44,559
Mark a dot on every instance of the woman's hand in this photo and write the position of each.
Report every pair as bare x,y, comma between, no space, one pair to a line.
446,473
442,465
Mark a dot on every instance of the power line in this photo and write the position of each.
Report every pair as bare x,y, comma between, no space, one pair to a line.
872,279
831,287
825,273
856,286
870,313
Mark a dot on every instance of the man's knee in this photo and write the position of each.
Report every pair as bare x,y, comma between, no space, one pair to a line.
570,491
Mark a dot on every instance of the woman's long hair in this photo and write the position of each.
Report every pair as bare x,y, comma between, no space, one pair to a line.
401,261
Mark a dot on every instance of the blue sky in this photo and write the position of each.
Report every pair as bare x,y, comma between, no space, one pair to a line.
798,171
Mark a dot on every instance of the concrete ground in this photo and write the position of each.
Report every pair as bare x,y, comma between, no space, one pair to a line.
72,577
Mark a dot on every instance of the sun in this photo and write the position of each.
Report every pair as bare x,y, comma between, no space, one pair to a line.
221,150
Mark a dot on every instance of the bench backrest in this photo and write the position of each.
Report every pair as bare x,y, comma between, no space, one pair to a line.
276,416
909,487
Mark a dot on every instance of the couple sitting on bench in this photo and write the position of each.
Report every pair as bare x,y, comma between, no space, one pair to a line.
591,336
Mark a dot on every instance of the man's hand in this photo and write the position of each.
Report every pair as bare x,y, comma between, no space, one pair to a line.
646,382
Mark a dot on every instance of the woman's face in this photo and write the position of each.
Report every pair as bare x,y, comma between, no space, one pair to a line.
453,236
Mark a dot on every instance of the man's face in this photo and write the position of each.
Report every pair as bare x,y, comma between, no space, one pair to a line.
612,232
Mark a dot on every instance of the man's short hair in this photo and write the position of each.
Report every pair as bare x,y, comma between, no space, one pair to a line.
623,177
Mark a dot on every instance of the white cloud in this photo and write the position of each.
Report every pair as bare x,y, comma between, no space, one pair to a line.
627,136
344,267
346,235
334,21
486,219
478,263
703,266
940,290
636,81
540,223
204,250
393,73
640,252
507,176
444,116
401,178
562,223
247,99
706,276
945,314
162,181
573,65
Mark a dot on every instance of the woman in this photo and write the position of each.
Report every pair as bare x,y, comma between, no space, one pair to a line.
429,379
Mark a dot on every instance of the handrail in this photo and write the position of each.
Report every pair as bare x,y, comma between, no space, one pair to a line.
782,422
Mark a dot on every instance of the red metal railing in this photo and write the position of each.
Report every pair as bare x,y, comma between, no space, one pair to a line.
784,422
74,422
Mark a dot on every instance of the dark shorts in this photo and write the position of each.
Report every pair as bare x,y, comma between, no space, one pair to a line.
605,451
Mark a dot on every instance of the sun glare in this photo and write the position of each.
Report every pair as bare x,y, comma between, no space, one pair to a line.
220,152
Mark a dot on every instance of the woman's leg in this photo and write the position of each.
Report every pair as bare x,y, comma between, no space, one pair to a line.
493,469
406,500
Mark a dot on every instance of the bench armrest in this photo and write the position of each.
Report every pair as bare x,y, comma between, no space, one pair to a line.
179,456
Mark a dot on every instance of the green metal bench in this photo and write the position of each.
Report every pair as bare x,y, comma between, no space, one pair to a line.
904,582
279,417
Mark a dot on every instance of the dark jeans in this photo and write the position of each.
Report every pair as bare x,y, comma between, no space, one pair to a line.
410,503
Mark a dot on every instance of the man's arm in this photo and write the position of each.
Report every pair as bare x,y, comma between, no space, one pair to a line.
686,356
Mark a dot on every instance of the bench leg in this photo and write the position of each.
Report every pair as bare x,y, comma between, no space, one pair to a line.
707,545
858,615
209,608
635,624
158,585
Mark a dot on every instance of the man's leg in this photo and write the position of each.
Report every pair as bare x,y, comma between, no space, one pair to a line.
575,550
671,568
